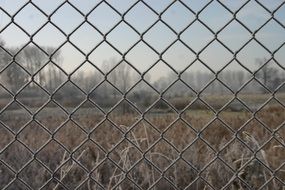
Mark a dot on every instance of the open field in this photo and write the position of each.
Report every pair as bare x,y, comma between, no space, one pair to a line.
195,150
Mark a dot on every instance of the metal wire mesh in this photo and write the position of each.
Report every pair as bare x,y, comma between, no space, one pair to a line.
158,159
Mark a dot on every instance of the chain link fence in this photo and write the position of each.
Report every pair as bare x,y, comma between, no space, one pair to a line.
142,120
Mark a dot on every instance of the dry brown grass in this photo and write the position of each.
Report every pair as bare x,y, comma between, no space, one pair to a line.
126,149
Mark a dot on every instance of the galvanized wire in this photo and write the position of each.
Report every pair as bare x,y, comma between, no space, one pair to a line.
142,114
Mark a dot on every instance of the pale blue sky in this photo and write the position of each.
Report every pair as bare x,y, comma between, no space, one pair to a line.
159,37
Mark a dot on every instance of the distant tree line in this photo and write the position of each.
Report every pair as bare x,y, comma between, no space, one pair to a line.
17,67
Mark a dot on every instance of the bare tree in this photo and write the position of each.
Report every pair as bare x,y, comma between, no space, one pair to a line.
53,76
32,58
121,77
13,77
267,74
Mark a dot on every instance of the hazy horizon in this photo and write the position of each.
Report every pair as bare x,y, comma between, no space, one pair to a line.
103,17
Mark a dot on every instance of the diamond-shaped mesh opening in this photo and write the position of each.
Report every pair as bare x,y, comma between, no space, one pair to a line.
32,58
162,155
141,17
268,40
142,94
255,175
125,155
43,36
180,135
14,116
215,16
216,56
269,74
217,128
236,154
248,55
67,25
272,111
54,77
33,97
218,174
165,79
198,154
105,96
52,155
254,100
179,56
235,111
35,17
175,12
197,36
103,56
81,40
71,175
15,77
71,62
254,134
89,155
144,174
46,114
128,110
157,41
276,152
87,81
67,94
197,114
123,77
70,135
142,54
107,174
158,111
222,95
88,115
236,30
98,17
181,180
143,135
234,76
123,43
42,175
14,36
16,156
34,136
253,16
179,99
197,76
107,135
